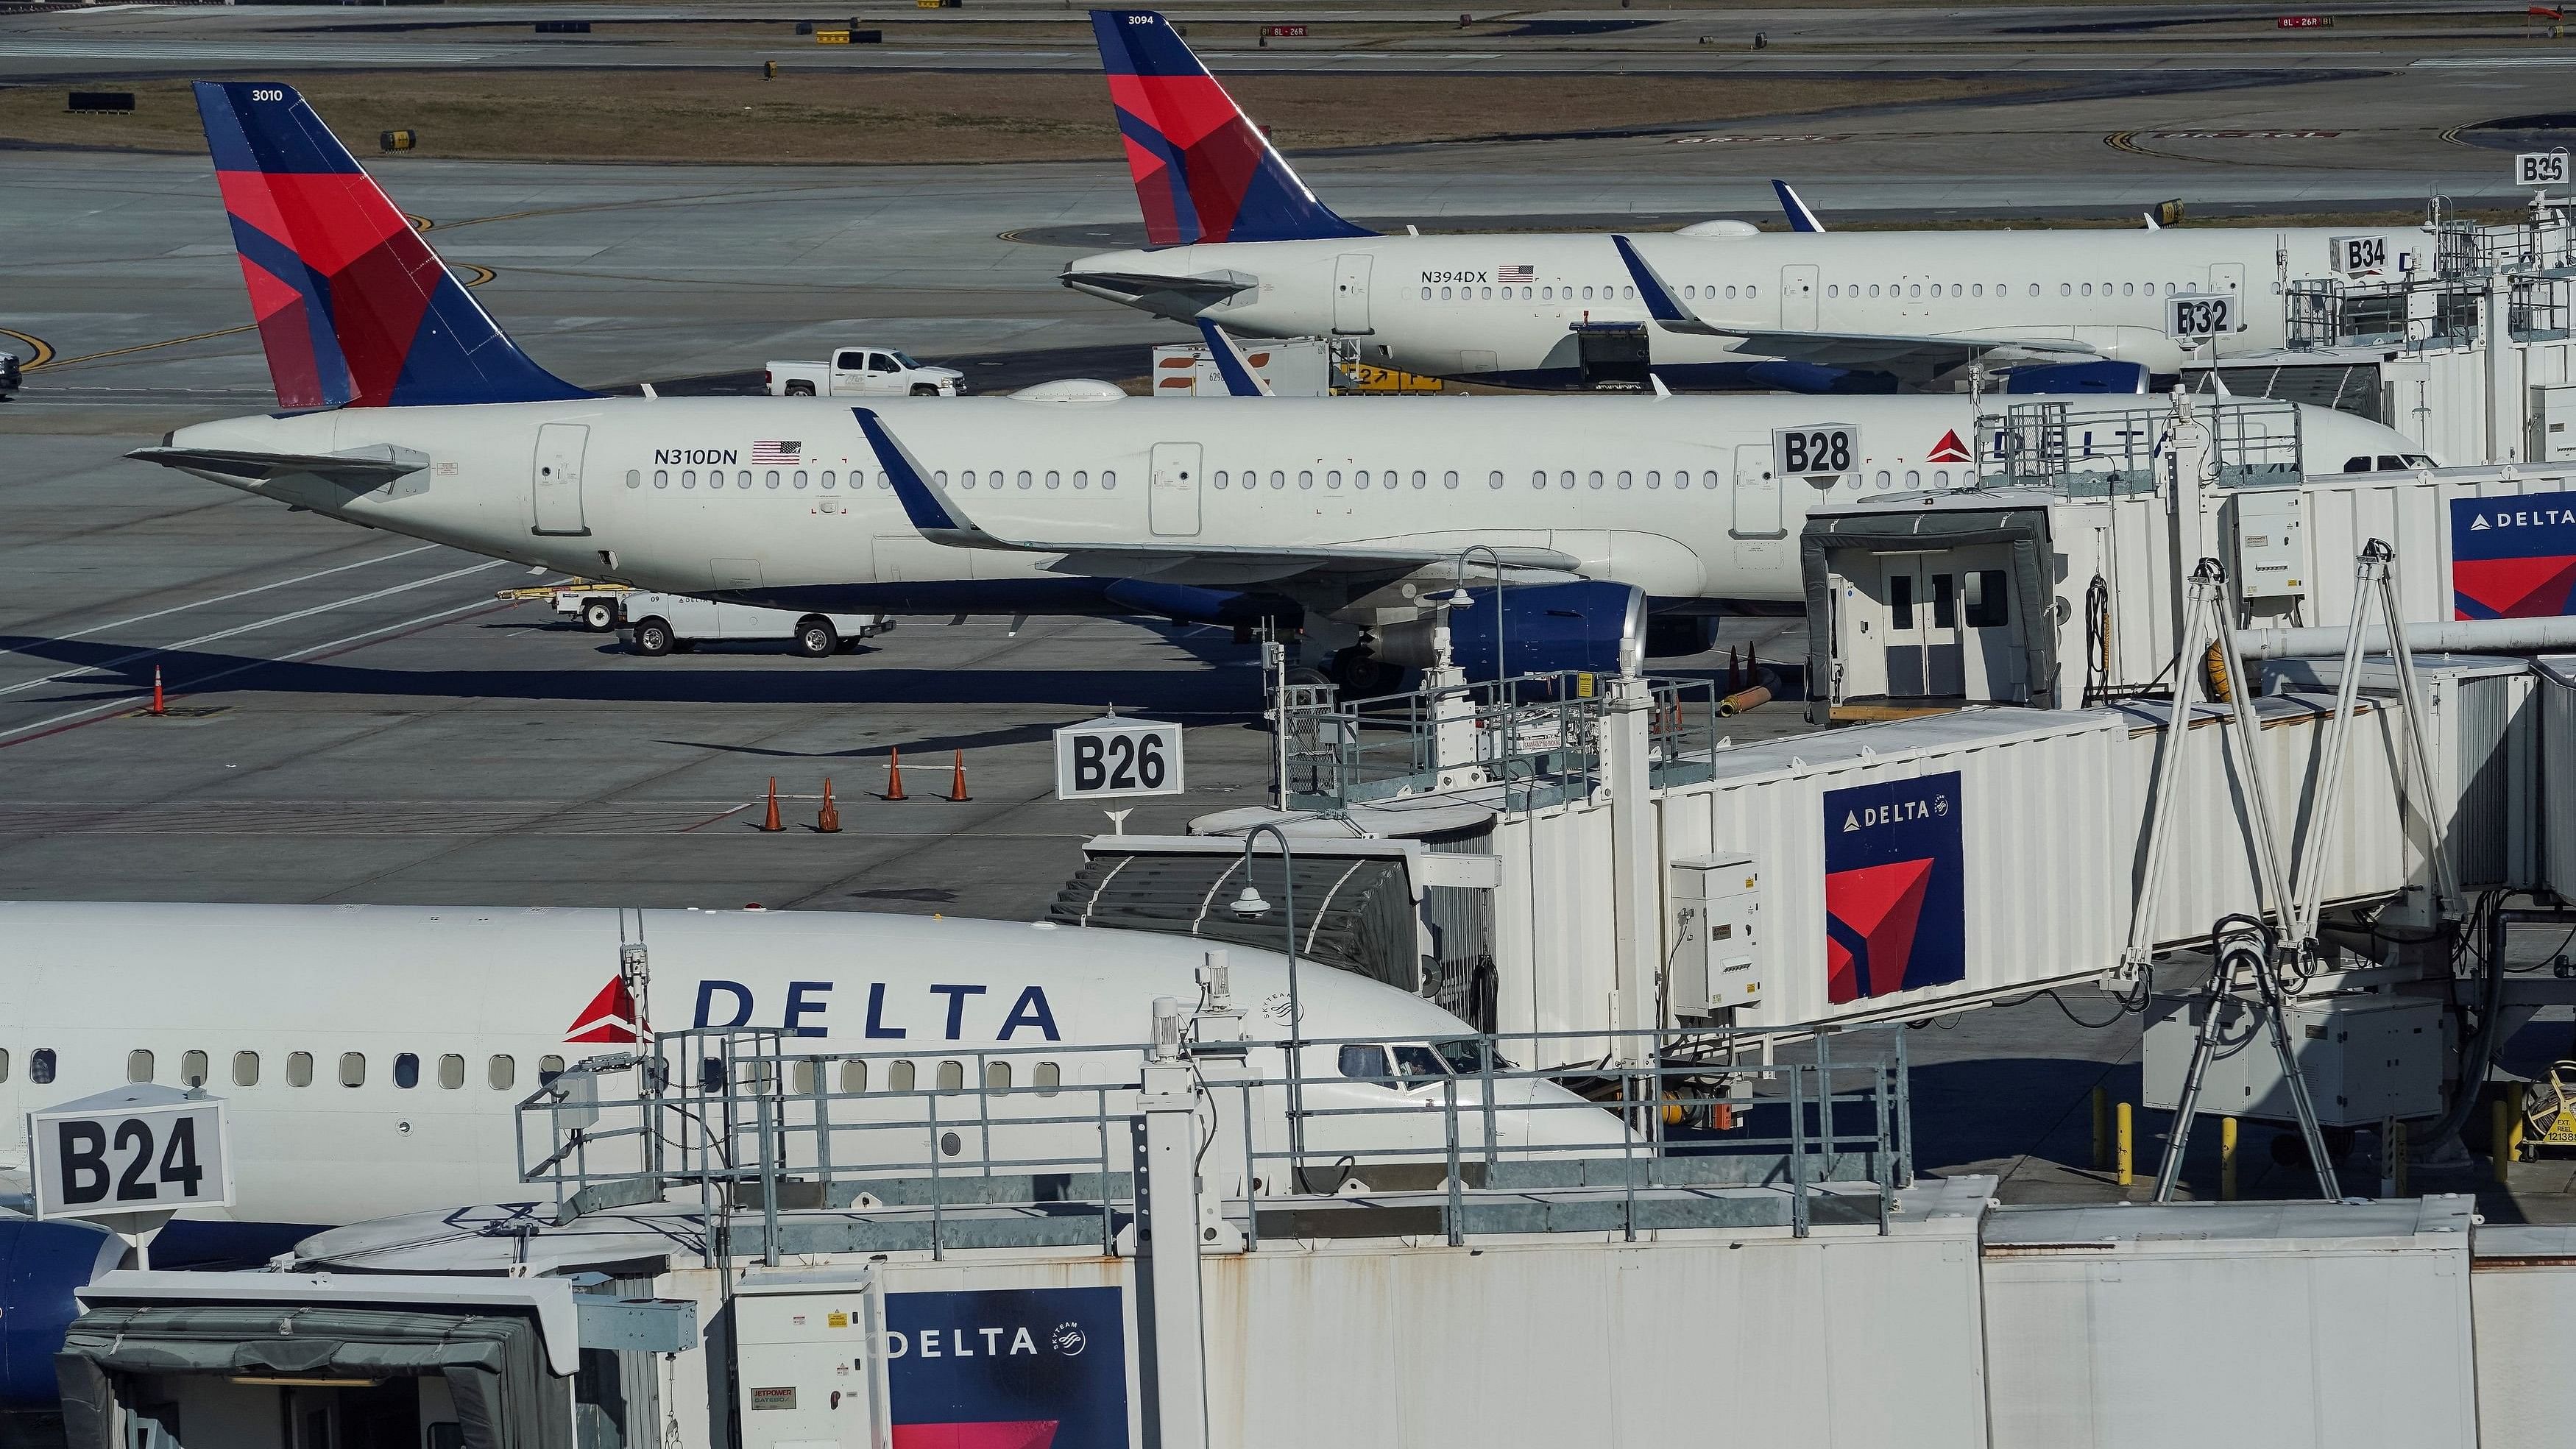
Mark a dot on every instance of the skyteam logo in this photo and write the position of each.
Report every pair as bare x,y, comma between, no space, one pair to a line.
1895,903
2513,558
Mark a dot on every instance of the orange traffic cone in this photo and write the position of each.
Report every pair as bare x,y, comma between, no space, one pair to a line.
771,824
894,774
827,821
957,786
156,690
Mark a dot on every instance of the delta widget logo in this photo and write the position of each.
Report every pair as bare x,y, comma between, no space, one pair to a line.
1895,898
2513,558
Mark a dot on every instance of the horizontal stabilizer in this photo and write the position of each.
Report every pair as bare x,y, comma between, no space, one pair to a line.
360,468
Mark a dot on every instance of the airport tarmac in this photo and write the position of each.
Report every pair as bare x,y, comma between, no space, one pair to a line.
355,718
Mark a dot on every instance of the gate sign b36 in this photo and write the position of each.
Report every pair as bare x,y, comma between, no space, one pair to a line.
139,1149
1105,759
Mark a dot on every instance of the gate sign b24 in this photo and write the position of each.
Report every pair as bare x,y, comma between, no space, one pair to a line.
2513,558
1895,894
140,1149
1105,759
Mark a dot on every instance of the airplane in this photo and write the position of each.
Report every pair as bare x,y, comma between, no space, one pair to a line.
1234,236
373,1059
1621,525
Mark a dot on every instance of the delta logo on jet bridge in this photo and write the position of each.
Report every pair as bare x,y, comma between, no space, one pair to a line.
2513,558
1895,897
1023,1368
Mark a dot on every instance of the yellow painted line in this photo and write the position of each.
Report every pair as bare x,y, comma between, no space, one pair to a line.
418,223
478,276
43,350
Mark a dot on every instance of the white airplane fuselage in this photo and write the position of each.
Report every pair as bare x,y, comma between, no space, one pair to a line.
1501,307
372,1059
1673,495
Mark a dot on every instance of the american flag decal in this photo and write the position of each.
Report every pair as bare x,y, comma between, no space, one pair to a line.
1516,274
769,452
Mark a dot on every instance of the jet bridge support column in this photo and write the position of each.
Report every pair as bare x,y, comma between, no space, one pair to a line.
1636,864
1167,1242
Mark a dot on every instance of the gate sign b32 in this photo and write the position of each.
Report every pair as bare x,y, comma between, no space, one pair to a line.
1895,897
2513,558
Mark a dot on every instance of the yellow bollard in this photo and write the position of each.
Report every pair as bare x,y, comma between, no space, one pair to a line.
2500,1137
2127,1159
2101,1129
2514,1118
2227,1159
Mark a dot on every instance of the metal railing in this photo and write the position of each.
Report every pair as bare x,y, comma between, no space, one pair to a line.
2097,452
1537,738
751,1124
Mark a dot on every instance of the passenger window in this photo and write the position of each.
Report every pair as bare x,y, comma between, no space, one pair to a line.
1417,1063
688,477
1082,479
1494,479
1913,478
138,1066
742,479
1049,1078
192,1069
1108,480
40,1067
800,1079
1221,476
899,1077
799,480
1654,478
1625,480
4,1064
1054,479
661,477
1426,294
549,1067
1025,480
451,1072
1366,1064
997,1076
245,1069
827,479
501,1072
770,478
634,477
854,1076
1987,608
952,1076
353,1069
299,1069
406,1070
1593,478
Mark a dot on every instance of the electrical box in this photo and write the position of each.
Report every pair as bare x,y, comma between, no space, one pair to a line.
2551,424
1718,961
2365,1058
810,1360
2271,538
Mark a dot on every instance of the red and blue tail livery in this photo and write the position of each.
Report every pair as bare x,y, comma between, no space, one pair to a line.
354,309
1895,888
1204,172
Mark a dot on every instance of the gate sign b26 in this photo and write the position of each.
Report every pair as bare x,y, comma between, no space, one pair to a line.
1107,758
1895,893
2513,558
1014,1368
140,1149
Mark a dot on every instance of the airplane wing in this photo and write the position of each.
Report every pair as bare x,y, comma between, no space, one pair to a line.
362,468
1240,380
1351,566
1913,356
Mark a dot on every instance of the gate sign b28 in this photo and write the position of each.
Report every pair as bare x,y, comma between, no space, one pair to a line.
2513,558
1895,896
140,1149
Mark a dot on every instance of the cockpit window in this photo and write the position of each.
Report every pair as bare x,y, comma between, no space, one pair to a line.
2418,460
1366,1064
1416,1062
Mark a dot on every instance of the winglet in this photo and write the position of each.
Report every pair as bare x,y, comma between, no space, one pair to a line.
1668,310
1240,379
1801,216
924,502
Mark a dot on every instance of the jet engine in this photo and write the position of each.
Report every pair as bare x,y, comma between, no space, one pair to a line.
41,1263
1545,628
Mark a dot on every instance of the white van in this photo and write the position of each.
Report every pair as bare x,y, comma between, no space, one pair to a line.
660,623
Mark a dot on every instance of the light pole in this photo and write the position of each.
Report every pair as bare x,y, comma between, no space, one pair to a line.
1249,905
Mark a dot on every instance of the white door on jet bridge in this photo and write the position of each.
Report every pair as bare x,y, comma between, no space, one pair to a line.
554,478
1798,298
1172,494
1350,292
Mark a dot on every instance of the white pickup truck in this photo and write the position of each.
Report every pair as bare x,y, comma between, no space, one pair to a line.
657,624
864,372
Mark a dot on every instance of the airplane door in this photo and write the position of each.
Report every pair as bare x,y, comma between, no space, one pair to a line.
1757,493
555,478
1172,495
1923,655
1350,292
1798,298
2228,280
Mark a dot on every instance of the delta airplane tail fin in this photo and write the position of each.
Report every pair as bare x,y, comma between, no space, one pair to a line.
1802,217
354,309
1204,172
